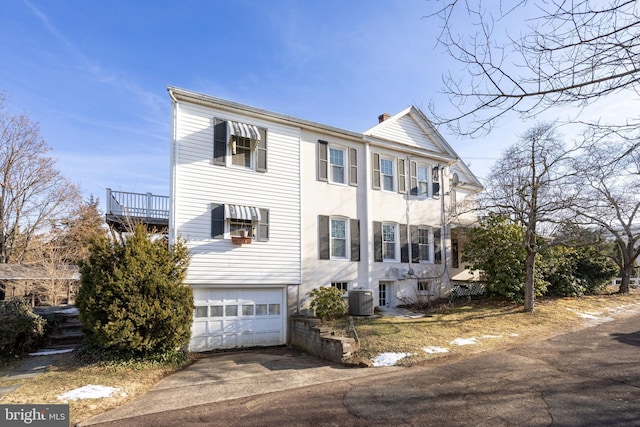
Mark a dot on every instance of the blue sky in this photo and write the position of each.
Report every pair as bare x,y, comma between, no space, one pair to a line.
94,73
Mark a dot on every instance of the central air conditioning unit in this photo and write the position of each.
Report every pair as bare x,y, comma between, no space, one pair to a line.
361,302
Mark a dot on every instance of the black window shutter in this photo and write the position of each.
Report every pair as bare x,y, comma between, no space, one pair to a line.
217,221
377,241
219,142
404,245
323,160
263,226
402,179
323,237
413,174
261,152
354,229
415,248
375,165
353,166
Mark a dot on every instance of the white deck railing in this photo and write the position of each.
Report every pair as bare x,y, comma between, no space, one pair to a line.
137,205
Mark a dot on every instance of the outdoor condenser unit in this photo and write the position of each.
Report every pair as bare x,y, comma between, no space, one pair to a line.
361,302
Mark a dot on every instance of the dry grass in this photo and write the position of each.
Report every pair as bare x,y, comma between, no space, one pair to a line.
492,325
66,374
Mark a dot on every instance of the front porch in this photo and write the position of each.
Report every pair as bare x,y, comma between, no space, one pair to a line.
125,209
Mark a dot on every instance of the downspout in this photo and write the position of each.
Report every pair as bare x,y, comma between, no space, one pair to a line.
173,166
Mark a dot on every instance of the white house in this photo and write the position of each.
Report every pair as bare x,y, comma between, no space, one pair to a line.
272,206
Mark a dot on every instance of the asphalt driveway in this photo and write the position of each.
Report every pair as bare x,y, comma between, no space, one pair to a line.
586,378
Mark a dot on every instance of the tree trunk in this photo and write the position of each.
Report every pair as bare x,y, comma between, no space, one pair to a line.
529,288
627,272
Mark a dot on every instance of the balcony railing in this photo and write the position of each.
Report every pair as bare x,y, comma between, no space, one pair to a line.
146,208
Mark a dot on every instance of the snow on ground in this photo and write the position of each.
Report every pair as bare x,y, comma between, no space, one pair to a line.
89,392
433,349
46,352
464,341
388,359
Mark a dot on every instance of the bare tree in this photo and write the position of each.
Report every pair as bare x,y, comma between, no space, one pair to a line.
32,191
530,185
609,173
567,53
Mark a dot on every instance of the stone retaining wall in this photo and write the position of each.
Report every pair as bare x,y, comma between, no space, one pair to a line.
308,335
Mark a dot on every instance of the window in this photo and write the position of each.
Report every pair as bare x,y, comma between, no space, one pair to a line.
386,173
241,151
435,180
389,240
423,244
423,287
423,181
343,286
245,144
240,219
337,164
338,238
242,228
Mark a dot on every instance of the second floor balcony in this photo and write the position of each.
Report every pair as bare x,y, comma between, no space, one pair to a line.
125,208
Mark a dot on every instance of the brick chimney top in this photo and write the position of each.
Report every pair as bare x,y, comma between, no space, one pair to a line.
382,117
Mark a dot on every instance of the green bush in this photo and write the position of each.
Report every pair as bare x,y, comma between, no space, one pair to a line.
327,302
132,299
496,248
21,330
576,271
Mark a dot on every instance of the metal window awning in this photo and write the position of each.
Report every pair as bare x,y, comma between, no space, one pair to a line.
244,130
249,213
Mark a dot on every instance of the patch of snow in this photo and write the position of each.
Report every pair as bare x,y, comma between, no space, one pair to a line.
464,341
433,349
388,359
485,337
50,352
88,392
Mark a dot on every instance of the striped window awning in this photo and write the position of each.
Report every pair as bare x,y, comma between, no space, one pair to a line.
249,213
244,130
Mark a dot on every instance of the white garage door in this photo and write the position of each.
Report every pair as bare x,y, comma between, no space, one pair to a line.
231,318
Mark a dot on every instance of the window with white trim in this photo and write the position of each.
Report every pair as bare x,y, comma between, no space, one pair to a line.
239,144
339,238
241,153
424,247
337,165
389,242
386,174
423,181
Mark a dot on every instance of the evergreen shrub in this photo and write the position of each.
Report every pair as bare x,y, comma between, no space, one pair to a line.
132,300
21,330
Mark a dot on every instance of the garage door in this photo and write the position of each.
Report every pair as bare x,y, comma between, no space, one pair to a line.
231,318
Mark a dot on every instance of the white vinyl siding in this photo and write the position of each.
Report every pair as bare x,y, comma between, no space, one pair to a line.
198,184
406,130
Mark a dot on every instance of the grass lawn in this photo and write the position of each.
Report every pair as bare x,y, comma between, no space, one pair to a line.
480,324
